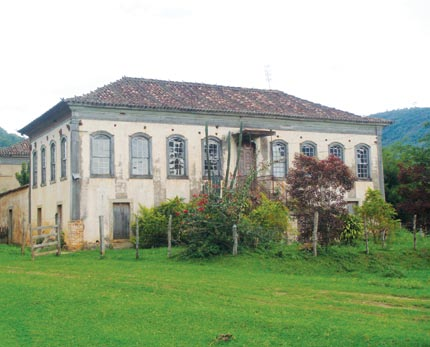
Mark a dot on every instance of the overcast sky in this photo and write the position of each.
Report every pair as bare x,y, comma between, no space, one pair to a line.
363,56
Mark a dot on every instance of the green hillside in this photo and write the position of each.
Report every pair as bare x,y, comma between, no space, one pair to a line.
408,125
7,139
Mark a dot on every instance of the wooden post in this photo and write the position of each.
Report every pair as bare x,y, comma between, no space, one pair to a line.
57,230
137,238
414,227
169,237
102,237
315,234
235,239
31,242
23,237
366,235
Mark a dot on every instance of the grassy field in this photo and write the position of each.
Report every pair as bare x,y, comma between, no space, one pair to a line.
285,298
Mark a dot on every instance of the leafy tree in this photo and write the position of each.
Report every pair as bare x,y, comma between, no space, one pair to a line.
319,185
377,216
23,176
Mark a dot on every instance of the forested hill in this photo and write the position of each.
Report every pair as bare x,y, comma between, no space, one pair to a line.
7,139
408,125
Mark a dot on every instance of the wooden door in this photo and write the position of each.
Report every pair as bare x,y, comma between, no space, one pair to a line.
247,161
121,221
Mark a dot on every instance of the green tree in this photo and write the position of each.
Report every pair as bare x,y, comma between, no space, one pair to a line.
23,176
377,216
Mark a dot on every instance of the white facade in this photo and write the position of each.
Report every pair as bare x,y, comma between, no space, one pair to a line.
84,194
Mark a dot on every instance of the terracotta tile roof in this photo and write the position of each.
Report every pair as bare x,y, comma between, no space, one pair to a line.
18,150
143,93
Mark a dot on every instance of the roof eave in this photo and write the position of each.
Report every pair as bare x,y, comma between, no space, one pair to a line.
57,111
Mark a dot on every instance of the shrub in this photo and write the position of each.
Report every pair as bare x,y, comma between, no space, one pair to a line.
266,223
352,229
153,223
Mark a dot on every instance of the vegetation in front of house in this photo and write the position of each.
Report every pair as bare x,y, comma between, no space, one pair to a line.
407,181
319,185
276,297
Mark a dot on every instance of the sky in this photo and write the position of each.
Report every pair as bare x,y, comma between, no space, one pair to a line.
361,56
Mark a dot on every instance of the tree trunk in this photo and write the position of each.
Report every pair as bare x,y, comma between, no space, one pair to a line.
315,234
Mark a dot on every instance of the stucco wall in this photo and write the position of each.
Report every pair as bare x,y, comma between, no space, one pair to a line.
14,209
97,195
8,169
53,197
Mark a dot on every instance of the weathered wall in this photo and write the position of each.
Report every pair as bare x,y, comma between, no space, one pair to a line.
8,168
53,197
97,195
14,213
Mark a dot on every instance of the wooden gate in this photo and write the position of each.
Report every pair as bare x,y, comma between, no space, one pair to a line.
121,221
45,240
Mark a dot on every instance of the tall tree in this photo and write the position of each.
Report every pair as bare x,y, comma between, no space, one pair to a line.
23,176
319,185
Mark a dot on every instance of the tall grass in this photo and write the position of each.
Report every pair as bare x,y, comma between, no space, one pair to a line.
284,297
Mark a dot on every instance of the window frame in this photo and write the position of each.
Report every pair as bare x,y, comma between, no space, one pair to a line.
53,161
63,158
93,137
342,148
34,172
219,161
43,166
359,169
310,144
148,159
285,166
185,155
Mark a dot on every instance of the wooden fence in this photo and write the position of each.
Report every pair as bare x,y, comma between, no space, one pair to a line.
45,240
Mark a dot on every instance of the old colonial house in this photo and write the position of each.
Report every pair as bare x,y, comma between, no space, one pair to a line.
140,141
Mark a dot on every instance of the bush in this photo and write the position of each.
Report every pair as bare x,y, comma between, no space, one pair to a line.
267,223
352,229
153,223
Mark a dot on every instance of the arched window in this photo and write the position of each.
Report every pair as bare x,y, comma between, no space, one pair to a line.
176,156
34,171
363,161
308,148
279,159
214,157
101,154
63,157
140,155
43,165
53,162
337,150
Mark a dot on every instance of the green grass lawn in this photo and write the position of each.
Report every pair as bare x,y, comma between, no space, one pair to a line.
286,298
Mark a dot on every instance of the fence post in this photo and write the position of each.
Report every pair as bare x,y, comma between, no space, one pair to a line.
23,237
169,237
137,238
366,235
102,236
315,234
414,227
235,239
31,242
